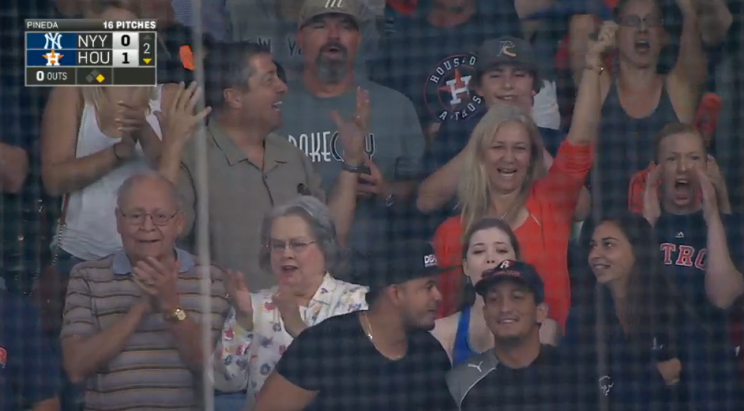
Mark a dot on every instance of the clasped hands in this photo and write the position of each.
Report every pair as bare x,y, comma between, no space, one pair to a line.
158,283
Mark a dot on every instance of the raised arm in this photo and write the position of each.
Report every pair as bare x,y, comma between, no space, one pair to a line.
178,122
61,171
686,80
587,112
237,337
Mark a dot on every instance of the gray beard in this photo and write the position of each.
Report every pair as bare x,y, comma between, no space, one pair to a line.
331,72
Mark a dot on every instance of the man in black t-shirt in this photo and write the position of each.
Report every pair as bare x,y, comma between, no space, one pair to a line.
380,359
518,373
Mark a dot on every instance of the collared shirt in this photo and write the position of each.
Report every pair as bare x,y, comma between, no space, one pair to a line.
240,194
148,373
248,357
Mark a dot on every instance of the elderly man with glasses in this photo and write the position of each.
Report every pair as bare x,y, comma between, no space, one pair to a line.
132,320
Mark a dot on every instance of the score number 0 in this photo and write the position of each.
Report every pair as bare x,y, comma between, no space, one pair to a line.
124,41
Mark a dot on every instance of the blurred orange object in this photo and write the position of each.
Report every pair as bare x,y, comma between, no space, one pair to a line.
187,57
706,119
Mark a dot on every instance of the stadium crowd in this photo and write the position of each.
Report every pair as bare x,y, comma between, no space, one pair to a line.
402,205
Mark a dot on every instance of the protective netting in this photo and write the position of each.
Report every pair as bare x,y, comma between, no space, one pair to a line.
396,159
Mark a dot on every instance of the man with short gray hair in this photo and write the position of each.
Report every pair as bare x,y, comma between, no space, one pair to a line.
132,320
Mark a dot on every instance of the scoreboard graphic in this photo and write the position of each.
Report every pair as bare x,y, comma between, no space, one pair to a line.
74,52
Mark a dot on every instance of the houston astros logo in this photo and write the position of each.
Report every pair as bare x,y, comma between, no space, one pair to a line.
447,92
53,58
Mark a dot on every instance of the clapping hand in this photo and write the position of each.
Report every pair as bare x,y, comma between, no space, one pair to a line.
651,204
363,110
353,132
289,309
178,122
708,191
240,298
130,121
159,281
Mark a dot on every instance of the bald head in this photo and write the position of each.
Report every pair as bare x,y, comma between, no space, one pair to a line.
148,182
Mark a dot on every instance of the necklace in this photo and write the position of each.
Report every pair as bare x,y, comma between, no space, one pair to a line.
372,338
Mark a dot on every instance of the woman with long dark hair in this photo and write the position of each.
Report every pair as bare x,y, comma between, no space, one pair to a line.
653,353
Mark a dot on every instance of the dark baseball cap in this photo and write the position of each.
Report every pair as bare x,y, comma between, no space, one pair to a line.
311,9
506,50
513,271
398,262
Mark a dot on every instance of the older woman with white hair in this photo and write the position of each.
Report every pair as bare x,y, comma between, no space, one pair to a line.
300,247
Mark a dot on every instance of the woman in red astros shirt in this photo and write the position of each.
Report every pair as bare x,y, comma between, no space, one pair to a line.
504,177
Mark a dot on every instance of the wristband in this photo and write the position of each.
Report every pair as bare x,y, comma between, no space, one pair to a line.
353,169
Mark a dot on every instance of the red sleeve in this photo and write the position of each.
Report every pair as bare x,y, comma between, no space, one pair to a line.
448,248
565,179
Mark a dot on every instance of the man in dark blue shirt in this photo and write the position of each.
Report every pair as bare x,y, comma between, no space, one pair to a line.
29,366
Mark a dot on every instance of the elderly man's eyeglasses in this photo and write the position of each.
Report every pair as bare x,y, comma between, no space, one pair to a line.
636,21
159,218
298,246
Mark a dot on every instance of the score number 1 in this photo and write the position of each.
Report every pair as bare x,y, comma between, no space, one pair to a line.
126,49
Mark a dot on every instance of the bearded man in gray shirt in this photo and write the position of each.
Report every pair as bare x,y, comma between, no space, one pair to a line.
329,35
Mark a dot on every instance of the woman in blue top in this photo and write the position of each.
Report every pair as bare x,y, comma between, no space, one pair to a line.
464,334
643,346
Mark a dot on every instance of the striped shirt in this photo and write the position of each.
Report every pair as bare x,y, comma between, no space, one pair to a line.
148,374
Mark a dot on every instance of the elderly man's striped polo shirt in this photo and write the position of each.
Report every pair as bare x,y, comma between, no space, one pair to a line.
149,373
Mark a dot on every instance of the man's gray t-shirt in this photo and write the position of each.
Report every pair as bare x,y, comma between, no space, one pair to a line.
395,144
260,21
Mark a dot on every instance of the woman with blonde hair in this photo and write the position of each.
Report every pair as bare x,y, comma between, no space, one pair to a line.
504,177
92,139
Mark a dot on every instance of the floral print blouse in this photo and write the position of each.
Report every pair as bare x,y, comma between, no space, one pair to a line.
248,357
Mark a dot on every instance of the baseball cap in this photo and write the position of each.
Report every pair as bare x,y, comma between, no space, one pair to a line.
400,261
515,271
314,8
505,50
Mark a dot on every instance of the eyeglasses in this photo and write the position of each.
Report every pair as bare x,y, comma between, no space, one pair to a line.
298,246
636,21
159,218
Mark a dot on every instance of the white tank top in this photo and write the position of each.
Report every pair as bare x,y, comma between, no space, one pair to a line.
90,225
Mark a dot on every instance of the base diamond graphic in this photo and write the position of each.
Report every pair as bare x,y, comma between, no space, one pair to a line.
93,76
100,78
